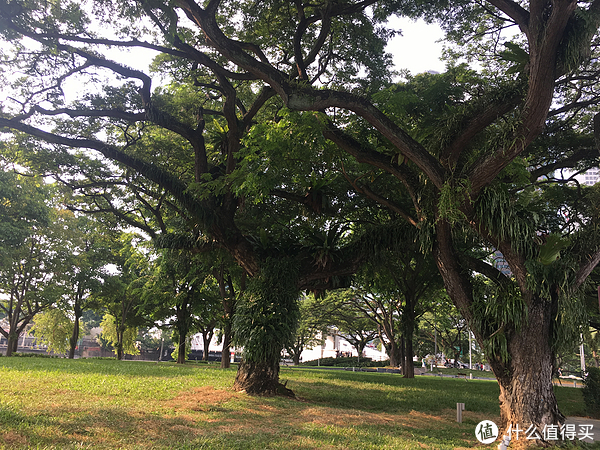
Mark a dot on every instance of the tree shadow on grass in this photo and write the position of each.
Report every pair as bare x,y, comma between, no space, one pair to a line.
394,394
208,418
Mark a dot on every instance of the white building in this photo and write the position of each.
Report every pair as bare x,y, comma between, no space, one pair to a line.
333,345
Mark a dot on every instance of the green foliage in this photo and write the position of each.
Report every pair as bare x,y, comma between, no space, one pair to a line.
110,334
451,197
267,316
22,208
591,392
550,250
53,328
500,218
498,311
516,55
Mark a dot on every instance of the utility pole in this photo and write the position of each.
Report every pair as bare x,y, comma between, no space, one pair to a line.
470,360
582,356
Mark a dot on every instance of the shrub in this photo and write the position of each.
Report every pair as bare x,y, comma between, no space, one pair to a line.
591,392
34,355
346,362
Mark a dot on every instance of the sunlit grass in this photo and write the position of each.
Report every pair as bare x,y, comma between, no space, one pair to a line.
107,404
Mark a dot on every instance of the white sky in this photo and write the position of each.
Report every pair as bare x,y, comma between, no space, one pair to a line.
416,48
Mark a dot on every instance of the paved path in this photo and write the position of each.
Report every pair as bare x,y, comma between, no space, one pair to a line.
582,424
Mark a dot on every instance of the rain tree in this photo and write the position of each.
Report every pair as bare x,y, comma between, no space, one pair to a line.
219,135
455,159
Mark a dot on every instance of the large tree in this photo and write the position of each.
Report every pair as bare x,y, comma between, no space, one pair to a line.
444,157
213,155
31,249
121,294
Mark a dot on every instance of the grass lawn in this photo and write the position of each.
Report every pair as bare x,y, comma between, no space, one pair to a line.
107,404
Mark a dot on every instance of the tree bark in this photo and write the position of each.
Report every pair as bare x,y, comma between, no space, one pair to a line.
260,378
408,368
225,357
183,316
401,354
12,344
119,349
526,390
181,349
394,353
75,335
206,338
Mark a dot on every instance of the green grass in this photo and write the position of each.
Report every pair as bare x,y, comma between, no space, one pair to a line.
107,404
452,371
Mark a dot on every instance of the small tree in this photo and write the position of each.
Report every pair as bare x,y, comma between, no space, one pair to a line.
315,317
121,337
53,329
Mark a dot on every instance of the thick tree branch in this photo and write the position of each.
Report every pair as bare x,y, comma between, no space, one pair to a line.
515,11
305,98
476,125
373,158
591,261
566,163
486,269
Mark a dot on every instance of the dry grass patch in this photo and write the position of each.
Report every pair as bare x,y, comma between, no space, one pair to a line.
201,399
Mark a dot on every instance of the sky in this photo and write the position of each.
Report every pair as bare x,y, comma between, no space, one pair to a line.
416,48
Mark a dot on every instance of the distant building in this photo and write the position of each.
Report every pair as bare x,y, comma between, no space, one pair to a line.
590,177
335,345
587,178
501,264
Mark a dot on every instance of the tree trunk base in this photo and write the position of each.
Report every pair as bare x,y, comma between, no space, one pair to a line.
260,379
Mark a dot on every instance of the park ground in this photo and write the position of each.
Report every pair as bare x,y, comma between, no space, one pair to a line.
72,404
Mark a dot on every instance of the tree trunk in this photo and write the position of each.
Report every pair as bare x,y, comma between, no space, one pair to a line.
12,344
181,349
183,328
401,353
408,330
260,378
526,390
394,353
225,358
120,353
119,349
408,368
206,338
75,336
296,357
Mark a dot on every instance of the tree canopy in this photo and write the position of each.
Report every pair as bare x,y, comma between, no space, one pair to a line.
465,156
